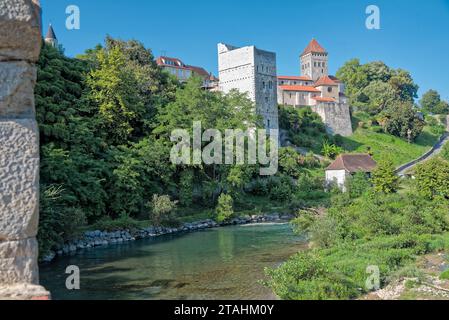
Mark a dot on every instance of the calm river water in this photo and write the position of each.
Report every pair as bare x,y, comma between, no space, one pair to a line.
222,263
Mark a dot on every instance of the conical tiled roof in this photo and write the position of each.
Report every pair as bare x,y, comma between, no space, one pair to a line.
313,46
50,33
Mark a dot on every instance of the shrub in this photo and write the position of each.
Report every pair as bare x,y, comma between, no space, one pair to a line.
58,223
161,209
224,210
445,275
281,189
445,152
331,150
123,222
384,178
357,185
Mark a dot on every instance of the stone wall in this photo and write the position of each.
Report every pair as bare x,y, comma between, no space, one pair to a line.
252,71
336,117
20,43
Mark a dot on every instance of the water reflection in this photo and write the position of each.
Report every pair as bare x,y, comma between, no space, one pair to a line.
223,263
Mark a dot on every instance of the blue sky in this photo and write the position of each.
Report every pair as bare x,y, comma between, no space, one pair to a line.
414,35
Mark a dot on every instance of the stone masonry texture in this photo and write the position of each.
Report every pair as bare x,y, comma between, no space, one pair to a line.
20,43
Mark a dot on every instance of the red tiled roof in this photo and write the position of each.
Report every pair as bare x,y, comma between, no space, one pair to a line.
313,46
198,70
323,99
325,81
177,62
299,88
353,163
302,78
335,79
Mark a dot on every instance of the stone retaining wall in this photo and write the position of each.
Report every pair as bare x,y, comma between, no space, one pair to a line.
20,43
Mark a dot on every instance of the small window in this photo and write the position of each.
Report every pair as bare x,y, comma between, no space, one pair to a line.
329,89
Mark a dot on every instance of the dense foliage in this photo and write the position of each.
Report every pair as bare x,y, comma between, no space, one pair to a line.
106,120
431,102
386,94
367,228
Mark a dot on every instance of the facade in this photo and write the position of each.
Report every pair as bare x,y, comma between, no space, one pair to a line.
314,61
252,71
317,89
346,165
50,38
183,72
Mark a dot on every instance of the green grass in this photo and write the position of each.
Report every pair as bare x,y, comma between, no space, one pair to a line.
385,146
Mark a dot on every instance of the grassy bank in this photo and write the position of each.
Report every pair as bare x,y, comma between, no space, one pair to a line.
385,146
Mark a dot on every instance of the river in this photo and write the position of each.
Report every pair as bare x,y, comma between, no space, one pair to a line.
221,263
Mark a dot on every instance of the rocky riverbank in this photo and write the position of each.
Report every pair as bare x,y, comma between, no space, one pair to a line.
98,238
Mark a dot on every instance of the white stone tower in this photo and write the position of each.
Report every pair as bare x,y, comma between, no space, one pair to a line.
50,38
314,61
253,71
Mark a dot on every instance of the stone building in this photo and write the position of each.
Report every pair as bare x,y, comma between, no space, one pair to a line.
347,165
51,38
252,71
314,61
317,89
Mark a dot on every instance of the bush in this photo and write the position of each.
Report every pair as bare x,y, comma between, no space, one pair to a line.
340,272
58,223
384,178
445,275
124,222
224,210
357,185
445,152
281,189
161,209
331,150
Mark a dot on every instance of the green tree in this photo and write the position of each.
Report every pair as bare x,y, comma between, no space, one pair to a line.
375,87
432,178
224,210
161,209
114,88
431,102
358,184
401,120
290,162
384,178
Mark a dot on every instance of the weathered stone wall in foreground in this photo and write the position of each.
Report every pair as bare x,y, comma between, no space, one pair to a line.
20,42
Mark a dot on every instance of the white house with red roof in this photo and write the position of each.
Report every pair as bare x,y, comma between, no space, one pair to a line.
346,165
317,89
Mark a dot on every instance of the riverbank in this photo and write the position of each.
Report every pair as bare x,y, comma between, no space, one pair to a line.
98,238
